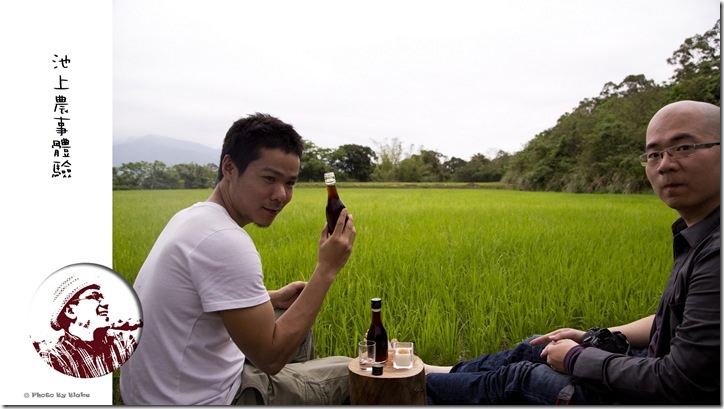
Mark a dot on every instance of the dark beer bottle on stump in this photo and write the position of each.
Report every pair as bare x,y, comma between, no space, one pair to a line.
334,203
377,331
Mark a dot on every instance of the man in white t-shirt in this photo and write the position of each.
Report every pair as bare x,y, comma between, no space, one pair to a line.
205,307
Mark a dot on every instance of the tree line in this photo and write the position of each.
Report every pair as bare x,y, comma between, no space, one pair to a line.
594,148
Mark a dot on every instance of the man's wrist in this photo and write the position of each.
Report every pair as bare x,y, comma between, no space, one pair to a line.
325,272
571,356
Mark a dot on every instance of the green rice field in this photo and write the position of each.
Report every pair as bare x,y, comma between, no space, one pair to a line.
461,272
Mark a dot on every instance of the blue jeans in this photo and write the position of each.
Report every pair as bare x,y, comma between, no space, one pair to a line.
515,376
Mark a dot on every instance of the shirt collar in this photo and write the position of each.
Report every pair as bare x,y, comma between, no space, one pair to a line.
698,232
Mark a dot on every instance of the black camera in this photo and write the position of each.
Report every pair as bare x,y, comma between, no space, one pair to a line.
606,340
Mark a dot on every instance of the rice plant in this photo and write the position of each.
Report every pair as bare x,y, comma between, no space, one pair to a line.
461,272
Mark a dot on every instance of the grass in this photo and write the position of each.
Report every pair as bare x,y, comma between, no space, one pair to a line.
461,272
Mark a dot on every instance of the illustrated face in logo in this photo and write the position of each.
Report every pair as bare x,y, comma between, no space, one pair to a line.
75,330
89,309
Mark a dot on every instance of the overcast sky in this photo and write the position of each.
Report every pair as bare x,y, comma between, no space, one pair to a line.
457,77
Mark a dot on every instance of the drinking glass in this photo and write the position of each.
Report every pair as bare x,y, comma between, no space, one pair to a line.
404,354
367,350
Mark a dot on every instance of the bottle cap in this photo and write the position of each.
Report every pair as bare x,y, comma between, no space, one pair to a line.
377,369
376,303
329,178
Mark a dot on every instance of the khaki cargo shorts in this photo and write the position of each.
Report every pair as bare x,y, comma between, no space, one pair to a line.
303,381
321,381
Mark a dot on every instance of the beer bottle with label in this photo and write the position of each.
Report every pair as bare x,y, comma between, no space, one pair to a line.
377,331
334,203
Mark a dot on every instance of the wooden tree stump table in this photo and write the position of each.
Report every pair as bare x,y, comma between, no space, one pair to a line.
393,387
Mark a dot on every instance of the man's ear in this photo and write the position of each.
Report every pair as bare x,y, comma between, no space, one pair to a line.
227,166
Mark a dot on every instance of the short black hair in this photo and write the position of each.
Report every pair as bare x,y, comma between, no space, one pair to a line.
247,136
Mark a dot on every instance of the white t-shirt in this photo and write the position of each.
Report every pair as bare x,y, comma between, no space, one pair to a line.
202,263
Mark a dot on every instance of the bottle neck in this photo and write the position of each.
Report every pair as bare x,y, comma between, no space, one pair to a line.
332,191
376,317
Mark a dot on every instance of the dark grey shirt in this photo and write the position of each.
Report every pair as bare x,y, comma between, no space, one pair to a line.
683,362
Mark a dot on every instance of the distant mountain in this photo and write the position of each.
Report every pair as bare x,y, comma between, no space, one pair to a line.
151,148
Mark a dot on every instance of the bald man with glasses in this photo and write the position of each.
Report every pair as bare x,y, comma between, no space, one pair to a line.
670,357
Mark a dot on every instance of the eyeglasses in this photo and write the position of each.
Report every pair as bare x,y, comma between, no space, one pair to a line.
94,296
675,152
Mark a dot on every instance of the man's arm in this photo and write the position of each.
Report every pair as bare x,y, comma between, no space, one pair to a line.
689,372
638,332
284,297
269,343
